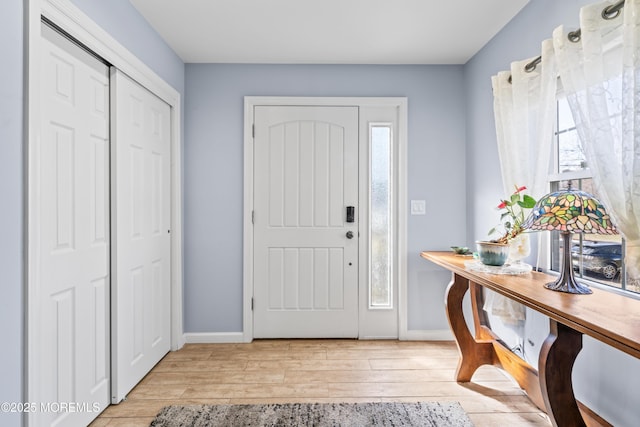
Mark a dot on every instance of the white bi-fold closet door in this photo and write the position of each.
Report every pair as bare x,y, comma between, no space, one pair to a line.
102,183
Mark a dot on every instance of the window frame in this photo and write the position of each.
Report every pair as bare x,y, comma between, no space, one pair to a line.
552,247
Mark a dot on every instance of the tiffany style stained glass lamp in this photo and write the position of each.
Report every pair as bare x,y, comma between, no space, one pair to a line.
569,211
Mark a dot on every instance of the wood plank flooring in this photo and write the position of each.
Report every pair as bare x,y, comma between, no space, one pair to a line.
279,371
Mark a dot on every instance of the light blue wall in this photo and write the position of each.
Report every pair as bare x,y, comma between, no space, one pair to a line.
11,213
120,19
123,22
214,174
605,379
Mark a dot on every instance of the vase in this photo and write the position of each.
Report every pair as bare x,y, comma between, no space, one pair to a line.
491,253
519,248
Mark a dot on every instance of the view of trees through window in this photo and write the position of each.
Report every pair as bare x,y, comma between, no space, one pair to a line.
597,258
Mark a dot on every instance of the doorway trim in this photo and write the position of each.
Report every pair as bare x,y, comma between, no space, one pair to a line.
78,25
248,250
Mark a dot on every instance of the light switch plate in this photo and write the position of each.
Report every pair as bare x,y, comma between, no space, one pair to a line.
418,207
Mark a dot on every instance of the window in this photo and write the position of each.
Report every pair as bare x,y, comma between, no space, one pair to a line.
380,200
596,258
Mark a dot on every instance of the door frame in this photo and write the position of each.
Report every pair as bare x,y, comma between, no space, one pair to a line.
78,25
400,226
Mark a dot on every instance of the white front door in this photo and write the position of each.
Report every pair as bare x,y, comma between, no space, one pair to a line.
305,250
141,315
70,346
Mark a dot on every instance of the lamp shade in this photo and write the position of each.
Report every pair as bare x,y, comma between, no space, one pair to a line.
569,211
573,211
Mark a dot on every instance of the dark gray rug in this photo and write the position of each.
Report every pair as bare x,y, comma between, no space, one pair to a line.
316,415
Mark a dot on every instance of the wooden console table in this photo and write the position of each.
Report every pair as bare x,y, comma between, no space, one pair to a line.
605,316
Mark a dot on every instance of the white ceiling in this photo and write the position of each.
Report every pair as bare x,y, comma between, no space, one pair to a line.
328,31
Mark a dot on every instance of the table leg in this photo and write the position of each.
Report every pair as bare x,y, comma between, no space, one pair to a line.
557,357
480,319
473,354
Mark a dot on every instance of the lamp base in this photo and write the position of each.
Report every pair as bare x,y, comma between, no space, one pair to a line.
570,287
567,282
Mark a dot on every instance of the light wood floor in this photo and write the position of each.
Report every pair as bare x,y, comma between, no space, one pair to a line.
323,371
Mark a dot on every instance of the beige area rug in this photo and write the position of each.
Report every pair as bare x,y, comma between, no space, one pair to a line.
316,415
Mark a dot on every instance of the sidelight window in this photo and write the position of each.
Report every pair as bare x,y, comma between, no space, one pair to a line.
380,209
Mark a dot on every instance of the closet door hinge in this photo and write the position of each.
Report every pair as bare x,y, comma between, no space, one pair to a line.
251,303
253,131
253,217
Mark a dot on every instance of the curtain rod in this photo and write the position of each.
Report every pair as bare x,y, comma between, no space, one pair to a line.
609,12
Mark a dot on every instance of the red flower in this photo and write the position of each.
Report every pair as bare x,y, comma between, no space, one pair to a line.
514,212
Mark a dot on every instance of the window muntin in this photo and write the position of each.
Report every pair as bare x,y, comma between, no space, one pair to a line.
380,204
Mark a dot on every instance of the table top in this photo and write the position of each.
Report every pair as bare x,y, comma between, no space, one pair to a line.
606,316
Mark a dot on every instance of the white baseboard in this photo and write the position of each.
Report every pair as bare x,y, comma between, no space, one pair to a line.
238,337
428,335
213,337
376,337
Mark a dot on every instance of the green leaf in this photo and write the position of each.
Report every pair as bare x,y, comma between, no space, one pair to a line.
528,202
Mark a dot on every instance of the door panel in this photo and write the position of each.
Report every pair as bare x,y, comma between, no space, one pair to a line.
71,348
141,225
306,174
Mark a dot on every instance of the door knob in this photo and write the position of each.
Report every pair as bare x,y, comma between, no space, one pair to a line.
349,234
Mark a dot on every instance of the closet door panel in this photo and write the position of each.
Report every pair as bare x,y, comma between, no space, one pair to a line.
141,232
70,345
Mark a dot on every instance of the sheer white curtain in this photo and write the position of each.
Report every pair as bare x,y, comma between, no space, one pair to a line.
600,74
524,109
